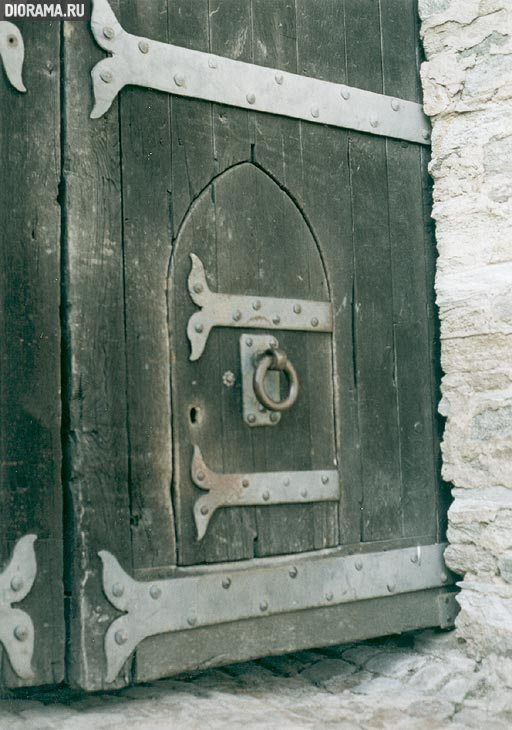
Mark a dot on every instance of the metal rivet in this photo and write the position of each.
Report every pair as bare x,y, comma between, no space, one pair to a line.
276,319
245,483
426,134
418,427
198,288
212,63
251,418
414,558
444,577
248,342
329,596
279,78
256,305
117,590
314,322
200,476
345,93
106,77
374,122
325,479
21,633
304,493
199,328
263,606
286,481
315,112
359,564
297,308
251,98
143,46
395,105
266,496
274,417
204,510
192,621
274,343
155,592
293,572
121,637
226,583
179,80
108,32
17,583
391,587
237,316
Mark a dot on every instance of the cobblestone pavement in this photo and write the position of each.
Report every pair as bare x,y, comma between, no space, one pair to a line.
415,682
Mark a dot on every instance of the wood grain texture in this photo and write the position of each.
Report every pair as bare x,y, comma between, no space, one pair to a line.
96,463
30,411
145,127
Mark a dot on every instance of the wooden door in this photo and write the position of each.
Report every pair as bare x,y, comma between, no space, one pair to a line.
31,648
271,207
253,241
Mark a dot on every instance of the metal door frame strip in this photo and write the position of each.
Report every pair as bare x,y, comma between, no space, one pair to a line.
176,70
207,596
257,489
16,627
249,312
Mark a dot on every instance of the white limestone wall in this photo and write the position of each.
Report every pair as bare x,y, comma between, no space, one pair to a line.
467,82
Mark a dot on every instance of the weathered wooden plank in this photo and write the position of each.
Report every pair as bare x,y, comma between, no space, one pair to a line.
146,189
246,640
193,159
96,456
30,451
373,310
410,292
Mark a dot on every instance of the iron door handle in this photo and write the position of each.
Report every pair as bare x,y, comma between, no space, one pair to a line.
275,360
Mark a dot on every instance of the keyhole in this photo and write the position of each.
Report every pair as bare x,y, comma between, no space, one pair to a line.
195,415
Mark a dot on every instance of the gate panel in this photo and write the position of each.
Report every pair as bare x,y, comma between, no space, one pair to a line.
30,452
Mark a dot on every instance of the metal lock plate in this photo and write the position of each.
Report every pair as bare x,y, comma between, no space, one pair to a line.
254,413
16,626
12,53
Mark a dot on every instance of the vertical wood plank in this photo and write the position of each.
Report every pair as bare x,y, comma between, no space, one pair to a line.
96,457
373,342
411,294
30,411
146,189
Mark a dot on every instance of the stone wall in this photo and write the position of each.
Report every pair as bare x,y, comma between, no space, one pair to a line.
467,82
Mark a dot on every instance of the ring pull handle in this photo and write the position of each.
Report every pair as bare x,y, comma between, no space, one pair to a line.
275,359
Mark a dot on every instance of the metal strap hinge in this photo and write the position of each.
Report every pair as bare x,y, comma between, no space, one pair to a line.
177,70
206,596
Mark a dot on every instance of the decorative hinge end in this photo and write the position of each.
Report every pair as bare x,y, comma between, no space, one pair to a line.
12,53
16,627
